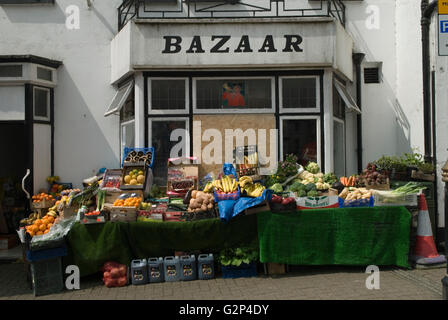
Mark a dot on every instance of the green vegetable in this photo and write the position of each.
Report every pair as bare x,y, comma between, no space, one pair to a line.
409,188
426,167
297,186
310,187
312,193
312,167
301,193
277,188
238,256
330,178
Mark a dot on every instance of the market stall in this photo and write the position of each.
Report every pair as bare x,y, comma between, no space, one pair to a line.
121,220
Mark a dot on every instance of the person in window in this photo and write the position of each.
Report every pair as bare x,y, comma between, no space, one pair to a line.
233,97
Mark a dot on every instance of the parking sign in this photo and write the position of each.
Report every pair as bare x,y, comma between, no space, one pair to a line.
443,34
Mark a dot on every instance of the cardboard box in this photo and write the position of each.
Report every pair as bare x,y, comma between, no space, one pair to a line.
8,241
183,174
317,202
101,218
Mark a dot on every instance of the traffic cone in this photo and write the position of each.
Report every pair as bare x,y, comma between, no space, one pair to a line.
425,252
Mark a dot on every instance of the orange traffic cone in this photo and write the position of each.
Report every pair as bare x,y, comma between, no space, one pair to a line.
425,251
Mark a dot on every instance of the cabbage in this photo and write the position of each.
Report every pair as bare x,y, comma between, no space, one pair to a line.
277,188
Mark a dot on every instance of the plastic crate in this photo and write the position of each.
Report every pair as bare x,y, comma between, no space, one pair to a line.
47,277
46,254
227,196
383,198
243,271
142,151
356,203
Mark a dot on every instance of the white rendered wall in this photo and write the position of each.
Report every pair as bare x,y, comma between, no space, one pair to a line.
84,139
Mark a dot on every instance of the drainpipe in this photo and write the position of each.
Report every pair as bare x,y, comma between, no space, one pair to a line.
427,11
357,59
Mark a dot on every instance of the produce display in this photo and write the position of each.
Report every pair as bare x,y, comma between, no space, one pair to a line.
129,202
139,156
41,226
303,190
225,185
145,205
68,192
371,176
352,193
201,201
92,213
42,197
348,182
134,177
254,190
115,274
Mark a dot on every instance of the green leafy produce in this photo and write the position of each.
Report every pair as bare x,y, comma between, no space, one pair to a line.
312,167
312,193
310,187
277,188
156,192
238,256
409,188
426,167
301,193
330,178
296,186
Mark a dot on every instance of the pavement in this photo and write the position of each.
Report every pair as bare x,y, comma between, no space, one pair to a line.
300,283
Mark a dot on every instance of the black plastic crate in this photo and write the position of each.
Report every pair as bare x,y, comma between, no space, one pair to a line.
47,277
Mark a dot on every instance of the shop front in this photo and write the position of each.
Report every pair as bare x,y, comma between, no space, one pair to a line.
282,85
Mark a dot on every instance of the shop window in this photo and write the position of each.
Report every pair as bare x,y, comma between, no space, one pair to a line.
168,96
234,94
339,147
300,136
299,94
160,131
127,112
41,104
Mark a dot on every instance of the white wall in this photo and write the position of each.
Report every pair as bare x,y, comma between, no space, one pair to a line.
84,139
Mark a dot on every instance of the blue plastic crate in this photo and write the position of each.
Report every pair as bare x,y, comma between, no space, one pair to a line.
227,196
46,254
356,203
243,271
128,150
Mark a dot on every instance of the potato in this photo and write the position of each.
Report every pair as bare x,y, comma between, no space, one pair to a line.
200,194
192,201
197,210
206,201
194,194
203,207
210,206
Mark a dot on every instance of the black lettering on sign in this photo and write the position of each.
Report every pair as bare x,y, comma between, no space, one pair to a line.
197,45
169,44
244,45
290,44
268,45
220,44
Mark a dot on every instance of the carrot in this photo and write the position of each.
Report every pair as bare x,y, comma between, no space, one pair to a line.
350,181
342,180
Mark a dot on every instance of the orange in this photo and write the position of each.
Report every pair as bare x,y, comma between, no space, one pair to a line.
50,219
39,233
49,225
34,228
38,222
46,231
43,227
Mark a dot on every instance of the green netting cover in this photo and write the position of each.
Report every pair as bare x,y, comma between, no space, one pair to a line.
89,246
351,236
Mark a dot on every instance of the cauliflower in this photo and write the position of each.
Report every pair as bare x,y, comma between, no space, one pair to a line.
312,167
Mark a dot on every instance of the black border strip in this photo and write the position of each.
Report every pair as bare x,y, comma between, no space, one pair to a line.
29,58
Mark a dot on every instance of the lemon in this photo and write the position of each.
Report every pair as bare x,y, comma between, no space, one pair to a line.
141,179
133,182
127,179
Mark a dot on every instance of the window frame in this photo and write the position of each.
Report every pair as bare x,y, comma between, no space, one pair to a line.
185,111
161,119
341,121
122,125
39,118
299,110
232,111
318,133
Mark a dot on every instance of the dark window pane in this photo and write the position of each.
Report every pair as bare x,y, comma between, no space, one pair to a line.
161,133
338,148
300,138
233,94
338,105
168,94
11,71
127,112
41,99
299,93
44,74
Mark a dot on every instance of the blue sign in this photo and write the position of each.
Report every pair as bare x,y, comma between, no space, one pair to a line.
444,26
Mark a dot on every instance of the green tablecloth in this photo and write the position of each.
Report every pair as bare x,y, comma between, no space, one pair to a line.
89,246
351,236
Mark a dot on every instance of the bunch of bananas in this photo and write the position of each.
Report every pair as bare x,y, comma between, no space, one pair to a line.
209,187
252,190
34,216
226,185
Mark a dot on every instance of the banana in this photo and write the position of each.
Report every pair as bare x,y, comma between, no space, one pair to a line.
235,185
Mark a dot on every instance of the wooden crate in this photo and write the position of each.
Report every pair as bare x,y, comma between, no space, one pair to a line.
418,175
123,214
275,268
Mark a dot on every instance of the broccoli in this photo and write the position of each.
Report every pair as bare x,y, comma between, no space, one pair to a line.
330,178
297,186
310,187
301,193
312,193
312,167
